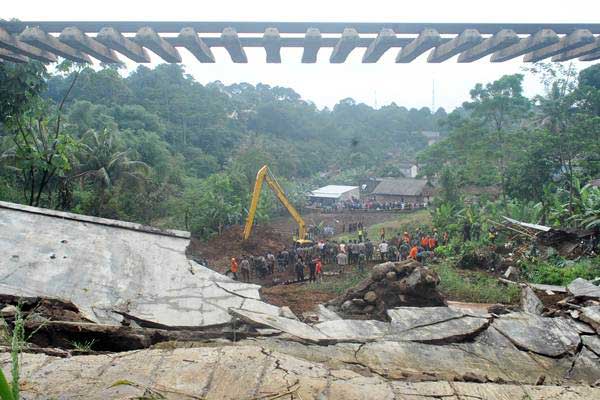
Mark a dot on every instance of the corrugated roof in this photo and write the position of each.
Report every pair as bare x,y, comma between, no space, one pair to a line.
332,191
401,187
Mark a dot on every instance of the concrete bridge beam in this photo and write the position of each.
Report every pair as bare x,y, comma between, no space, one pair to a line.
463,42
189,39
113,39
348,42
232,44
38,38
501,40
148,38
385,39
543,38
426,40
78,40
312,44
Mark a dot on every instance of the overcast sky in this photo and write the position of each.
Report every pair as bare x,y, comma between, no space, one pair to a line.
378,84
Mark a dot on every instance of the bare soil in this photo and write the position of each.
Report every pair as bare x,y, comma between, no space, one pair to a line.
296,296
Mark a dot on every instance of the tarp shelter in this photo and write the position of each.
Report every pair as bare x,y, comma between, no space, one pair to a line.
331,194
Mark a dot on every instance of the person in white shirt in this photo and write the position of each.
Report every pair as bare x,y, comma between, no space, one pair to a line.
383,249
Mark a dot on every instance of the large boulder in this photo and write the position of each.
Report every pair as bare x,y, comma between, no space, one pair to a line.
404,283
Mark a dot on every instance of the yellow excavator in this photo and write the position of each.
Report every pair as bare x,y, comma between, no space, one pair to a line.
265,174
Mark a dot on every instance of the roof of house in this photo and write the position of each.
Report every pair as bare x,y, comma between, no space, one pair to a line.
332,191
401,187
431,134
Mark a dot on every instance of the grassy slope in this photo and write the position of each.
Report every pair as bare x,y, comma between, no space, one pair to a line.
397,224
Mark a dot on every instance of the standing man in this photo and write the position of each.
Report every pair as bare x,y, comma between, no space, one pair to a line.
312,269
383,249
299,270
413,252
362,262
382,233
467,231
234,268
369,250
245,267
404,250
271,262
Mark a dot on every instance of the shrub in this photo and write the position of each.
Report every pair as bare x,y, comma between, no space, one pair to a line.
561,272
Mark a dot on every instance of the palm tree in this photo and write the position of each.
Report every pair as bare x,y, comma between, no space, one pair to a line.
104,164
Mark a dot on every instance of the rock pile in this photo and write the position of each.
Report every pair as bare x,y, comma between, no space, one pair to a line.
391,284
582,303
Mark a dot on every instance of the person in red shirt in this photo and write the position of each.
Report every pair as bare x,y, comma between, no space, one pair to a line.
234,268
319,269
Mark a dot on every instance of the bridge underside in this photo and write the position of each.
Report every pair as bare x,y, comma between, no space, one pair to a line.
109,41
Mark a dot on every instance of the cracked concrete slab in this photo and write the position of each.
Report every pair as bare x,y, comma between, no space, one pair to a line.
592,342
591,315
103,266
288,325
354,330
584,289
243,372
546,336
433,324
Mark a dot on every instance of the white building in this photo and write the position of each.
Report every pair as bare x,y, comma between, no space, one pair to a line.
331,194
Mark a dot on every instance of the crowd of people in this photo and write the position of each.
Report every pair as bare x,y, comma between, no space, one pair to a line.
308,260
372,205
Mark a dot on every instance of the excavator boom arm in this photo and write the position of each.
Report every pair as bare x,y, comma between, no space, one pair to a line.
263,174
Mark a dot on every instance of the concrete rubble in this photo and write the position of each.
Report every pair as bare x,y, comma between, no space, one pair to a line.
198,334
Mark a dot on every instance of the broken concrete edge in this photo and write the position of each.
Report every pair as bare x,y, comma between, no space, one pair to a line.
96,220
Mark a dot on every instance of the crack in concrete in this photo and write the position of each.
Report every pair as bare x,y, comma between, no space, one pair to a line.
211,375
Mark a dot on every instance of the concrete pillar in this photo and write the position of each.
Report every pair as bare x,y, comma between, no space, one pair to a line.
40,39
344,46
191,41
232,44
272,43
312,44
579,52
382,43
148,38
501,40
464,41
578,38
425,41
541,39
73,37
12,44
12,57
113,39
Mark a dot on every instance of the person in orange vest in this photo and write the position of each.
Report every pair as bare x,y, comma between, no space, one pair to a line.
234,268
425,242
413,252
432,243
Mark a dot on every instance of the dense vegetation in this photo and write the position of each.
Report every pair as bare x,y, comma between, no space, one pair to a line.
529,159
157,147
